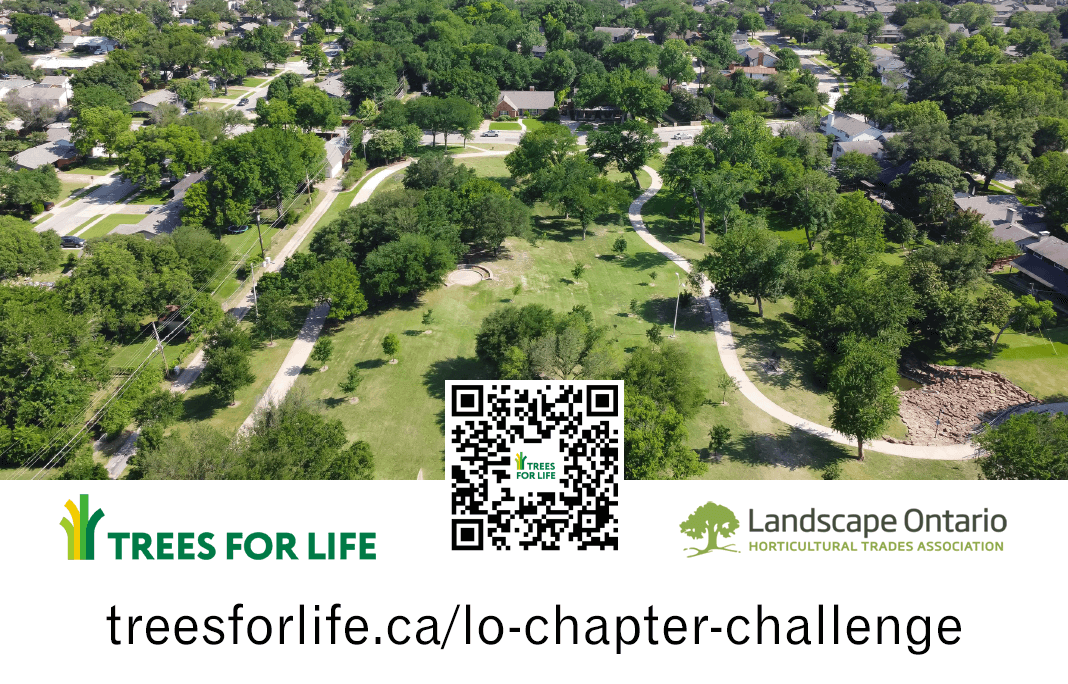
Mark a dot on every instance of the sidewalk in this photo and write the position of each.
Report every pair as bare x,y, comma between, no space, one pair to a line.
728,355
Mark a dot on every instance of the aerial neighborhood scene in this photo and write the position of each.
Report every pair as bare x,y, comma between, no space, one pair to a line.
253,240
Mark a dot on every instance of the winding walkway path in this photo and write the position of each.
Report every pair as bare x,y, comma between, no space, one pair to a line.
728,355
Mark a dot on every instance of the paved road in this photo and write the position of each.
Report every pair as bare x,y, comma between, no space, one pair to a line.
826,79
101,200
732,365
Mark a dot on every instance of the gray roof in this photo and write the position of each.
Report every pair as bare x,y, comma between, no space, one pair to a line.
42,94
1051,249
868,147
334,154
614,31
1012,232
179,189
158,97
60,81
847,124
58,131
332,86
529,99
995,208
17,83
48,153
10,37
1038,8
889,64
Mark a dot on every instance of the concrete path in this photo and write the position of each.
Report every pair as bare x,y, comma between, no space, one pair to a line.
294,363
732,365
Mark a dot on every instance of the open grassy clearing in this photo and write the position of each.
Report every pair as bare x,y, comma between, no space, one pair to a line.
400,409
110,223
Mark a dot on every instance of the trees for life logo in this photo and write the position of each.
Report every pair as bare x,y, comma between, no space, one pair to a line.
711,520
81,529
531,470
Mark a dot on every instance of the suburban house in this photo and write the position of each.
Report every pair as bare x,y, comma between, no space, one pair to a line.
1002,12
757,73
740,40
58,65
1046,262
151,102
871,148
1012,220
517,103
93,44
56,98
849,128
892,72
59,153
179,189
618,34
889,33
332,86
758,58
337,154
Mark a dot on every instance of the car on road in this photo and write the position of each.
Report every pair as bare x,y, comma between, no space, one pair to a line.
72,242
236,230
242,102
491,134
681,136
834,89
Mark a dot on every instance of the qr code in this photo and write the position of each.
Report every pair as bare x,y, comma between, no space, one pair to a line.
534,464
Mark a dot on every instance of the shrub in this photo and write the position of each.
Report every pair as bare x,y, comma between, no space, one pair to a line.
353,174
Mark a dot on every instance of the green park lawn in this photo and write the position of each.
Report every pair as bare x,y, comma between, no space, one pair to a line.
400,408
110,223
505,126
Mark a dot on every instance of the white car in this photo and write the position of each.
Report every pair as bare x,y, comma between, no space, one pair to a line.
491,134
681,136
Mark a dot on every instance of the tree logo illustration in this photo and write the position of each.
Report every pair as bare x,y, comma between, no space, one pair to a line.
713,520
520,461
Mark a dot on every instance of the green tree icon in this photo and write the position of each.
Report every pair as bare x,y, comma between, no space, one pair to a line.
713,520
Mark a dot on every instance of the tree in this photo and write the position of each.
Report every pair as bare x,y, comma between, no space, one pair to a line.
267,41
812,198
857,63
713,520
99,125
619,246
992,143
495,217
1027,446
655,333
753,261
718,437
653,441
314,57
667,374
856,234
925,194
23,251
355,463
1028,313
322,351
153,152
675,63
226,63
853,167
274,314
29,189
863,384
352,380
38,30
685,171
391,346
576,187
728,384
337,282
229,364
556,71
546,146
628,146
190,90
201,254
83,467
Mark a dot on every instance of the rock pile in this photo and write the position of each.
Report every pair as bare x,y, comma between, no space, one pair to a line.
962,396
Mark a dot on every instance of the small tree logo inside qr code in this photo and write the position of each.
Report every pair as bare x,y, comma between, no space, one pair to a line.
534,464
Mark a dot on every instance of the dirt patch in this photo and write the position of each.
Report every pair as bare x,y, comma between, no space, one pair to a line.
393,362
953,401
354,400
463,277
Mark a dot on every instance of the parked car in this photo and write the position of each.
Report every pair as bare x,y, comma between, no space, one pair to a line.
834,89
681,136
236,230
242,102
49,205
72,242
491,134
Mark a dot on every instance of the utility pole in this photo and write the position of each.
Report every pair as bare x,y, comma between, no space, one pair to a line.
159,345
255,297
677,298
263,252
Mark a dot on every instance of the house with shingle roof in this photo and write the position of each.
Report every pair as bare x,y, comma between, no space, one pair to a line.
871,148
619,34
60,153
758,57
849,128
1046,262
152,101
517,103
332,86
757,73
1003,211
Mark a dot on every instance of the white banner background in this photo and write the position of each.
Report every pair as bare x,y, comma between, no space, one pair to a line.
1010,604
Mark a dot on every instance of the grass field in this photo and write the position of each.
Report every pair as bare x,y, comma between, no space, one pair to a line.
93,166
532,124
401,406
234,94
110,223
505,126
67,187
157,196
83,225
252,82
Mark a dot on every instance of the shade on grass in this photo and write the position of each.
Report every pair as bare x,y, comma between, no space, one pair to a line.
110,223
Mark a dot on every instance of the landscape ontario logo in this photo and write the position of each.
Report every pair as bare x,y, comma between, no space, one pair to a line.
711,520
81,529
